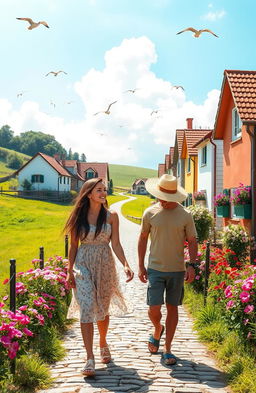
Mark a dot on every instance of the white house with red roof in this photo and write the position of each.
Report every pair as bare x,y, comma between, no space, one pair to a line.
138,187
54,174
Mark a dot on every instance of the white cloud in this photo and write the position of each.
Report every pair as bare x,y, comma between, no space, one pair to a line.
213,16
130,134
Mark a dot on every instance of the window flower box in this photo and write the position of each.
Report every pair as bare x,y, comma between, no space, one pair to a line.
223,211
243,211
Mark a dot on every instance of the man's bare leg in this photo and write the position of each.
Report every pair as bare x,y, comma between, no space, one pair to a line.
171,324
155,315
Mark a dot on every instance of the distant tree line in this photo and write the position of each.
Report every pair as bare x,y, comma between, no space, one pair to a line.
32,142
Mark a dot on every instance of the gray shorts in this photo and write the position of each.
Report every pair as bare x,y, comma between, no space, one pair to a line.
170,283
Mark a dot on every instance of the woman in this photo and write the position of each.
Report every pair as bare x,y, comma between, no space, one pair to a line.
91,269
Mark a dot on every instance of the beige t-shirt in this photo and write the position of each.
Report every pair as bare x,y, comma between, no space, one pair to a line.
169,229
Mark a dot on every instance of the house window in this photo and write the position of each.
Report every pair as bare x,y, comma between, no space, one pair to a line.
236,125
189,165
64,180
60,179
37,179
204,156
89,174
178,169
68,180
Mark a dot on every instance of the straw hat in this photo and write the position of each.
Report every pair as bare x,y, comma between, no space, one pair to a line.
166,188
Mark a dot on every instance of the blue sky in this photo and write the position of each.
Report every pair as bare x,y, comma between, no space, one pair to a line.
107,47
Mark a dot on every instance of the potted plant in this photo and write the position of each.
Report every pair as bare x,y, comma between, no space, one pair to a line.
242,200
200,198
222,203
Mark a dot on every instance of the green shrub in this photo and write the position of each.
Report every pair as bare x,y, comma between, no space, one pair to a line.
31,373
207,316
203,221
48,346
231,346
236,239
14,161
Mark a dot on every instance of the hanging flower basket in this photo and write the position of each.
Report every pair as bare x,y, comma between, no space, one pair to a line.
223,211
243,211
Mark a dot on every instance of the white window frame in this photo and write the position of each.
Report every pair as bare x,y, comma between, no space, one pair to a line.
236,125
204,156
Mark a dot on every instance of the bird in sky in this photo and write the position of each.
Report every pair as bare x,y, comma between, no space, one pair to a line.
154,111
107,112
70,102
33,24
20,94
131,90
53,104
101,133
178,87
55,73
197,33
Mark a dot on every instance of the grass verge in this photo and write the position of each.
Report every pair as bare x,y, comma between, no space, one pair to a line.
136,207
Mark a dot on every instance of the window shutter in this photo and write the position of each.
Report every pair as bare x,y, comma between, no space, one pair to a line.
32,178
41,178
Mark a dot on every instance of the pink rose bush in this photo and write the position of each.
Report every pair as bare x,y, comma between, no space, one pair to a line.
42,299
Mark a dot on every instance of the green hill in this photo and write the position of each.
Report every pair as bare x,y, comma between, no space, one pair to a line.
124,175
4,170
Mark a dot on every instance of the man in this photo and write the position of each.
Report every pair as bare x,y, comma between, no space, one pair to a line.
169,226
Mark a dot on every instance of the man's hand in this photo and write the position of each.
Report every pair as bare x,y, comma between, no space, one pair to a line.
190,274
143,275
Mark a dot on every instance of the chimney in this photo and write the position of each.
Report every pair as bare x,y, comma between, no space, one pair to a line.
57,157
189,123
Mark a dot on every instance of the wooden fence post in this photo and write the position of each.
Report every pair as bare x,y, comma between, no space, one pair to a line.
66,246
13,301
41,257
206,272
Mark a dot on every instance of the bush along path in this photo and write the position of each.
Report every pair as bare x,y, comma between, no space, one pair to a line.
133,368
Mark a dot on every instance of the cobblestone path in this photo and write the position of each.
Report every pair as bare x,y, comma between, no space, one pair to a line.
133,368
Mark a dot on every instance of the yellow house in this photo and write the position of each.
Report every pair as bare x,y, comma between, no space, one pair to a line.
189,156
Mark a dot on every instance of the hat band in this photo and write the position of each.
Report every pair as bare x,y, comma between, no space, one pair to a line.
167,191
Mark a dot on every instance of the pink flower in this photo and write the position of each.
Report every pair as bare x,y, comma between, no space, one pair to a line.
247,285
196,278
249,308
245,321
23,308
5,340
245,297
5,298
28,332
230,304
13,348
6,281
1,305
228,292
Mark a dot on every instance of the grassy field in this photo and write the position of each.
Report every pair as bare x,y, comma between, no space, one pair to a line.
124,175
4,170
26,225
136,207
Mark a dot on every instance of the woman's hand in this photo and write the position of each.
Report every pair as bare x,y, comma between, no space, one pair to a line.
129,273
71,279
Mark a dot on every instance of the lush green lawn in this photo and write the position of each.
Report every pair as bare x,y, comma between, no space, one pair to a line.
25,225
124,175
136,207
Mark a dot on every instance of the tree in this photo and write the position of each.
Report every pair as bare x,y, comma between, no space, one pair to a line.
6,135
76,156
14,161
26,185
83,157
70,154
110,187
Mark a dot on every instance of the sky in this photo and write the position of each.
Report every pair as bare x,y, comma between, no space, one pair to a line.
107,48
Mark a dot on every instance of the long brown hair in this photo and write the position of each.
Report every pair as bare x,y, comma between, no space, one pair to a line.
78,219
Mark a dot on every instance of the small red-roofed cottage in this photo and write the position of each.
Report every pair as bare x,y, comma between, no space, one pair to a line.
138,187
235,124
161,170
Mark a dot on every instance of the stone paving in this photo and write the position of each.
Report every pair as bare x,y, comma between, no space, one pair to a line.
133,368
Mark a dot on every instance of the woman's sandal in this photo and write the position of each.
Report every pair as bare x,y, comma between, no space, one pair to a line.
105,355
89,368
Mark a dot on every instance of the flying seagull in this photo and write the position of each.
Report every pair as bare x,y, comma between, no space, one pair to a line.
53,104
55,73
20,94
33,24
178,87
197,33
101,133
154,111
131,90
107,112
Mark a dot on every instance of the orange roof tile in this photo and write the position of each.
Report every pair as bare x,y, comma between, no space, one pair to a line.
192,137
243,88
100,167
167,161
161,169
206,136
179,136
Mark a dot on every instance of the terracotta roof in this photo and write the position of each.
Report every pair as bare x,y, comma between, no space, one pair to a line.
179,136
192,137
243,88
171,153
137,181
51,161
207,136
161,169
100,167
69,163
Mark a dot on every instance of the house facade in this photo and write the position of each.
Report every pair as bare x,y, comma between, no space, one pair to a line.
44,173
235,126
138,187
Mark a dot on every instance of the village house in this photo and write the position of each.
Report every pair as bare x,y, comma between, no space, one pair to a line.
235,125
138,187
53,174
